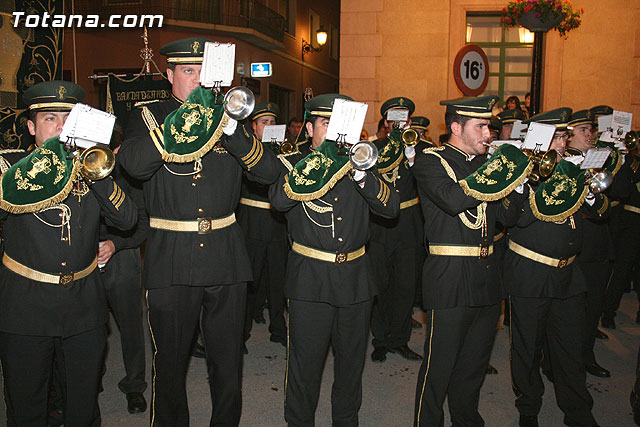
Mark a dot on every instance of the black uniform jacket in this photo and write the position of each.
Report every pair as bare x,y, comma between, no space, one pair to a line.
173,192
28,307
458,281
524,277
336,222
258,223
406,228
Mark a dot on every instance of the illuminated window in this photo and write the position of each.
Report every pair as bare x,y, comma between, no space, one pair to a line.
509,51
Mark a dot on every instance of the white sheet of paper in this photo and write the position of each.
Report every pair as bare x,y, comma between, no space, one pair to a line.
518,131
604,123
398,115
273,133
218,64
595,158
88,126
606,136
621,123
539,136
347,118
498,143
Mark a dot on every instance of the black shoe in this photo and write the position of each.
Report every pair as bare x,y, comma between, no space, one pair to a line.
198,351
55,418
136,403
281,340
528,421
635,406
597,370
379,354
601,335
405,352
491,370
415,324
259,318
608,322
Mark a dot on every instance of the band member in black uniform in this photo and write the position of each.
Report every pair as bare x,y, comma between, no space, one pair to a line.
595,255
51,296
546,293
265,231
119,256
507,119
460,285
329,277
196,263
396,244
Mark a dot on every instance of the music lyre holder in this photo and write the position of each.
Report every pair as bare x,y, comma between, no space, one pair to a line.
216,89
341,142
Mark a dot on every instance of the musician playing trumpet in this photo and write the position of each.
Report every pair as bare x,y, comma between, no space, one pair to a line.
330,279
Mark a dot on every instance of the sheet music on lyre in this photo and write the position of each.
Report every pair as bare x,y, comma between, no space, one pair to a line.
87,126
347,118
595,158
539,136
273,133
218,64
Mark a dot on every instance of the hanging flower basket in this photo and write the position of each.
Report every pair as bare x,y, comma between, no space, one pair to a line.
542,15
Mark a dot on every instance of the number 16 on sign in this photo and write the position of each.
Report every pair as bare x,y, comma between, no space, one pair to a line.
471,70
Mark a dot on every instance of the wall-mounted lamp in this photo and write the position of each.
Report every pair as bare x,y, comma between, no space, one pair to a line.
321,39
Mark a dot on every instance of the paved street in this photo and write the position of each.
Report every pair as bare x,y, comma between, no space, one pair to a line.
389,388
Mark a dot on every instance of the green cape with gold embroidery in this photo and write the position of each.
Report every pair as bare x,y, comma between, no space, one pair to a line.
614,161
392,153
194,128
317,173
507,168
561,195
40,180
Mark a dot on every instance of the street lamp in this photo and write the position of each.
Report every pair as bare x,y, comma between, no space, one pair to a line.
321,39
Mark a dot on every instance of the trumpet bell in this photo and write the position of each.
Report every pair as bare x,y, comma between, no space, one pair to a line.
239,102
547,163
631,140
600,181
363,155
287,148
97,163
410,137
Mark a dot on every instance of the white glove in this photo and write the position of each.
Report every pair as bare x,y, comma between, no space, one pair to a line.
520,188
230,127
358,175
409,152
591,199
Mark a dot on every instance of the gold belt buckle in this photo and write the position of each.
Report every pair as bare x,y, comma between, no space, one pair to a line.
562,263
204,225
484,251
341,257
65,279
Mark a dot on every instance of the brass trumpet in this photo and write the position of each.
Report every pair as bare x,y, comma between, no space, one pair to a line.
410,137
239,102
363,154
286,147
97,162
598,180
631,140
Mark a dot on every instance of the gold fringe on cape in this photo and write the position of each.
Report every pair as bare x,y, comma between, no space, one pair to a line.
186,158
561,216
484,197
393,165
43,204
318,193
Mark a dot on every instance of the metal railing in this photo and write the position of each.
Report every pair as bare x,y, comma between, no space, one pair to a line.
244,13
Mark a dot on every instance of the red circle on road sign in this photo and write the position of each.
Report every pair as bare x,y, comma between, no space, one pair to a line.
471,70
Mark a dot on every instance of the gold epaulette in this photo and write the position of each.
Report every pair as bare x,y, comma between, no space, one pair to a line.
141,103
433,149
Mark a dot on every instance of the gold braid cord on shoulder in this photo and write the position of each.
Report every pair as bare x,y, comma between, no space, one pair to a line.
481,210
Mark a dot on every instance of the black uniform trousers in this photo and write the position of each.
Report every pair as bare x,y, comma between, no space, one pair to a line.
27,363
627,244
597,275
268,262
173,316
397,270
312,327
459,341
121,280
561,322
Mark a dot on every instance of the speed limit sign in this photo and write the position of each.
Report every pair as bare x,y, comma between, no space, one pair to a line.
471,70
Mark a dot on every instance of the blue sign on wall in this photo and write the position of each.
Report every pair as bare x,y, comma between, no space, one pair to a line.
261,69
